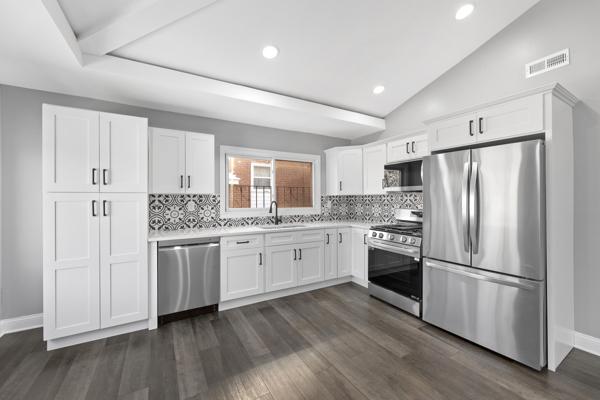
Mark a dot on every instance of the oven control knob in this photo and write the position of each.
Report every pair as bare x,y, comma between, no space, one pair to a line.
403,239
380,235
412,241
374,234
392,237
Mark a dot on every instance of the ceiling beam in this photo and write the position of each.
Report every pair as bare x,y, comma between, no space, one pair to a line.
138,23
61,22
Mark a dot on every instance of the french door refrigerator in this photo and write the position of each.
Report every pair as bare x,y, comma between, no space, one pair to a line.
484,247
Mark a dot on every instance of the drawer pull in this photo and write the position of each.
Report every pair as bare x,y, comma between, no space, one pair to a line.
243,242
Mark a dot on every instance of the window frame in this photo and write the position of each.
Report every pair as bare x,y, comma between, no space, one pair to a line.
226,151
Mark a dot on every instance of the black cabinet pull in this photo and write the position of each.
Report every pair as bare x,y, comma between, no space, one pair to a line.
340,235
259,258
94,172
295,255
413,147
243,242
104,180
181,181
189,181
327,238
480,125
94,213
340,186
300,256
365,238
104,213
407,152
471,127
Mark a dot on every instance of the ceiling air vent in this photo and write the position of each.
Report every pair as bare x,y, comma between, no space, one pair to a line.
547,63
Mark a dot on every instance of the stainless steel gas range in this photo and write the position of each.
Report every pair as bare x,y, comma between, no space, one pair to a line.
395,270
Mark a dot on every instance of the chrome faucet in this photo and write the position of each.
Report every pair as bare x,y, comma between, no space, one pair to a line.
277,219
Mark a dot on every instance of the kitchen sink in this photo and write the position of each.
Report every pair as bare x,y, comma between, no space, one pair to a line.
281,226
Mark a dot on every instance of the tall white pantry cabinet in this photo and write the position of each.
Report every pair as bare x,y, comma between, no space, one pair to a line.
95,213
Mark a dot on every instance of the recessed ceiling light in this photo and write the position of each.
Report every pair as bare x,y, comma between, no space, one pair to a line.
270,52
464,11
378,89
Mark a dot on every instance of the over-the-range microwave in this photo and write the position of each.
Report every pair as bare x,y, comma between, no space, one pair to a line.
404,176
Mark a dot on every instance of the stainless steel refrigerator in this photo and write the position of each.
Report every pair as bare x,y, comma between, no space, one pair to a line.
484,247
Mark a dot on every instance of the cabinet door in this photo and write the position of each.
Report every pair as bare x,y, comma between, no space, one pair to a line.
514,118
167,161
123,153
199,163
350,171
399,150
311,259
70,149
452,132
420,146
242,273
71,264
359,254
344,245
281,271
332,179
374,159
331,254
123,258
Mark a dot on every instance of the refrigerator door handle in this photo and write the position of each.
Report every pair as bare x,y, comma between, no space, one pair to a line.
474,208
506,281
465,206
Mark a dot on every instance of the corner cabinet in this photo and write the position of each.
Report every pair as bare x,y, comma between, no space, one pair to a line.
95,213
181,162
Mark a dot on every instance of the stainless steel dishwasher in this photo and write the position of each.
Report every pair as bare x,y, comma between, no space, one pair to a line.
188,277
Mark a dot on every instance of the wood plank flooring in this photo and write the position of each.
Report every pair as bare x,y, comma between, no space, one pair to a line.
334,343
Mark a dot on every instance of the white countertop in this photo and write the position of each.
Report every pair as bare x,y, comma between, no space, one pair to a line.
246,230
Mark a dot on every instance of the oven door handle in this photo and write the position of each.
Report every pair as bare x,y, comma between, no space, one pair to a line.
416,253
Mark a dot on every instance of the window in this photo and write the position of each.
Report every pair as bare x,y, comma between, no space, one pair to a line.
253,178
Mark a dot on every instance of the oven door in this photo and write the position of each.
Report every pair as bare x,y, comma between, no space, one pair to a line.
395,268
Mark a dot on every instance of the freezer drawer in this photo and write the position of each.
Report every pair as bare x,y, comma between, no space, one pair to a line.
188,275
504,314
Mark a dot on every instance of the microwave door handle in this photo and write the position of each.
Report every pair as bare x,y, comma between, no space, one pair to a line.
474,208
465,206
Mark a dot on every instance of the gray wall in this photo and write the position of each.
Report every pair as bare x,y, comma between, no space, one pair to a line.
497,69
21,174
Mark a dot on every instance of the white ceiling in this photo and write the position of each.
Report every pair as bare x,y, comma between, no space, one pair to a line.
331,53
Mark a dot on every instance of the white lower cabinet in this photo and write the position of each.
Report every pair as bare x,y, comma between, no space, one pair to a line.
281,267
344,252
123,258
95,261
242,273
359,254
311,257
331,254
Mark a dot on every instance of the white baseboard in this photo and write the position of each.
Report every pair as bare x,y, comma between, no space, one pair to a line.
587,343
227,305
19,324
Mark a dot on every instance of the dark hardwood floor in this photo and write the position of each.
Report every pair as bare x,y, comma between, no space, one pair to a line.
334,343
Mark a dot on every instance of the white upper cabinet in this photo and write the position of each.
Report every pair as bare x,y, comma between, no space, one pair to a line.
181,162
408,148
200,163
123,153
123,258
374,159
89,151
504,120
350,171
71,149
71,264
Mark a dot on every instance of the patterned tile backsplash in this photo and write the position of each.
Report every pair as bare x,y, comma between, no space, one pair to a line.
170,212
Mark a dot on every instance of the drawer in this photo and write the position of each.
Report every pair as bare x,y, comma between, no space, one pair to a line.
242,242
294,237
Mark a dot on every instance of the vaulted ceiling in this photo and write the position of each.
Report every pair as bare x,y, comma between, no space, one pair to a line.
204,56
